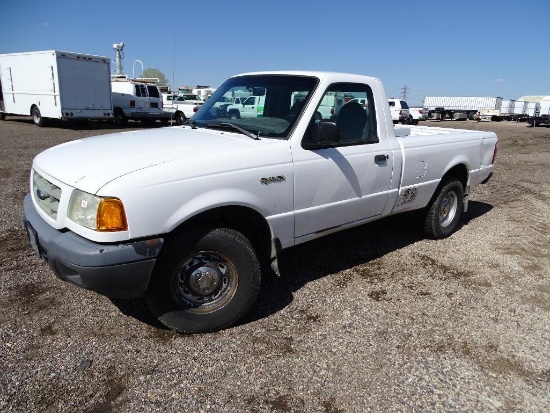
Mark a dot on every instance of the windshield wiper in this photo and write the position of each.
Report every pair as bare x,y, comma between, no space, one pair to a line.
191,123
243,131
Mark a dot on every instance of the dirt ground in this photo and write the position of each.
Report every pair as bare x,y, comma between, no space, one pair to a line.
372,319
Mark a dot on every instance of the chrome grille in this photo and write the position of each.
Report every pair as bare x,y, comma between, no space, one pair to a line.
46,195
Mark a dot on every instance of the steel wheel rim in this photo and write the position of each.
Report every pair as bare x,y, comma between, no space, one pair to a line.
35,116
204,282
447,208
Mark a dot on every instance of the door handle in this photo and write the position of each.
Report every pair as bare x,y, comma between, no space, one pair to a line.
381,158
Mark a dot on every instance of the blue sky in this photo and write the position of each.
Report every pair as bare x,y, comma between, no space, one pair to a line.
485,48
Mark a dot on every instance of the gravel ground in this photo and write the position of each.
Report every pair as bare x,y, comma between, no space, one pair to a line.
372,319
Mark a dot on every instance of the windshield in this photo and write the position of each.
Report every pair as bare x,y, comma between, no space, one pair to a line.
265,105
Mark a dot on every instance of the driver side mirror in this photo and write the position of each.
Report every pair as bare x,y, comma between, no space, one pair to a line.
323,134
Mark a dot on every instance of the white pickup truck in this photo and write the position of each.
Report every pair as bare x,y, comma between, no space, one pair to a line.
186,215
182,107
251,107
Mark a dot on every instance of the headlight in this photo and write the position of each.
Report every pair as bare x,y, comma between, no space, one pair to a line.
97,213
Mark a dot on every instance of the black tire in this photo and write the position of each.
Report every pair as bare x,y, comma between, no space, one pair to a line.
37,118
444,210
234,114
120,118
205,281
2,116
180,118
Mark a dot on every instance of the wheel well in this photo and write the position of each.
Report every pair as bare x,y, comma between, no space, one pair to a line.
459,172
32,108
245,220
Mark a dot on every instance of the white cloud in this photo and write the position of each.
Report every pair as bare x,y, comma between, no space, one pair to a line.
44,24
499,80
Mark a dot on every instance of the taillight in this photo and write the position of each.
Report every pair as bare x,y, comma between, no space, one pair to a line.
495,154
400,112
132,103
195,108
420,111
332,111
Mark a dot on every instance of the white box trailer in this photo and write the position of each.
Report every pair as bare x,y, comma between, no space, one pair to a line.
54,84
506,112
507,107
533,109
520,107
455,107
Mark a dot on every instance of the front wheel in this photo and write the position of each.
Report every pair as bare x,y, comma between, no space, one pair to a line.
205,281
445,210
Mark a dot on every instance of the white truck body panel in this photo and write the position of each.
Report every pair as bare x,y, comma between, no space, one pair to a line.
179,172
63,85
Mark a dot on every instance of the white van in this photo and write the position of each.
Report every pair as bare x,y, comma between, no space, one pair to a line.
137,100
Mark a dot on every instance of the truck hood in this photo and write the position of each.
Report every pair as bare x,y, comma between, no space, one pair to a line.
90,163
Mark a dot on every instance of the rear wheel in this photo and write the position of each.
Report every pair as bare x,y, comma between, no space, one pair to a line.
445,210
2,116
120,118
180,118
205,281
234,114
37,118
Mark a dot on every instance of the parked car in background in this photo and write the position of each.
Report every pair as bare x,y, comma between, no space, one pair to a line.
399,111
182,106
416,115
136,100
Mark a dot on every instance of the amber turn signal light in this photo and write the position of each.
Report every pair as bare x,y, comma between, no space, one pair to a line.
111,215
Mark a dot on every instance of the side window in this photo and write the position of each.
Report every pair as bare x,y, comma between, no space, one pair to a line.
351,107
153,91
141,91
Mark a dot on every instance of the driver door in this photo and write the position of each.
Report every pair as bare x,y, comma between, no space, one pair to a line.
349,182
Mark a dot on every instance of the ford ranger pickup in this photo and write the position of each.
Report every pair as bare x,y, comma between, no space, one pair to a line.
188,215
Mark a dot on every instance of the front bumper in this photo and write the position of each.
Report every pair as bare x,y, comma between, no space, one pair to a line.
121,270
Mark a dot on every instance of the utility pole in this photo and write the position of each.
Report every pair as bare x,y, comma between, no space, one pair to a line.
404,91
